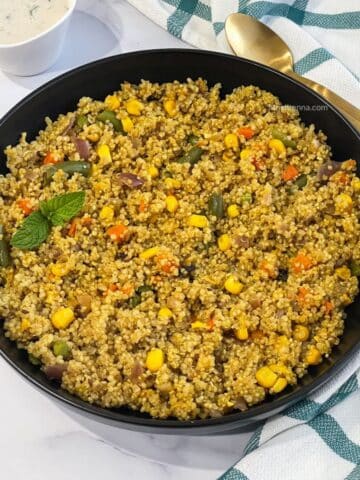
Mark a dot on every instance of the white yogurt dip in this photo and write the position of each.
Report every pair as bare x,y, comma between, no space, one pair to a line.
21,20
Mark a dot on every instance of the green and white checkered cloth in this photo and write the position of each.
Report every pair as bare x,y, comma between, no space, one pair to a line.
323,35
318,438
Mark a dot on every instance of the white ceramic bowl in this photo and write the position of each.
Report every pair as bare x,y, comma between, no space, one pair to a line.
38,53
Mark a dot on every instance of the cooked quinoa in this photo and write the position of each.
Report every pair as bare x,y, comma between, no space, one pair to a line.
210,277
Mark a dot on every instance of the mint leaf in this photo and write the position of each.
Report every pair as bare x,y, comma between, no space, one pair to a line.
63,208
33,231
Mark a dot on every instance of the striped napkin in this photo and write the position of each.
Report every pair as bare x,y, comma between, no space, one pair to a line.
318,438
322,34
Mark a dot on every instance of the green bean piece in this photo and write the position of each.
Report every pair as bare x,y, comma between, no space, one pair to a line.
144,289
34,360
285,140
81,121
192,139
192,156
216,205
134,301
109,116
301,181
355,268
246,198
5,258
61,348
70,167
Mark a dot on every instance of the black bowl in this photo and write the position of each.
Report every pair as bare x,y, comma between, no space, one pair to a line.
101,77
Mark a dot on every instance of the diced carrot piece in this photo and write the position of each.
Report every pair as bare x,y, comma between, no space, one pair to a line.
166,264
25,206
86,220
50,159
247,132
258,164
127,289
117,232
300,263
142,206
302,294
329,307
266,266
211,323
111,288
290,173
73,227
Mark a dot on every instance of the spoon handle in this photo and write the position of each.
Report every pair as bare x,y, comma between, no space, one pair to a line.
349,111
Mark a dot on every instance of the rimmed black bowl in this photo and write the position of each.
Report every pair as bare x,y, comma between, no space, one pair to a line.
99,78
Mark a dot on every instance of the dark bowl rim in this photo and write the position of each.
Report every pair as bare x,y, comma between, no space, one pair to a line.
263,409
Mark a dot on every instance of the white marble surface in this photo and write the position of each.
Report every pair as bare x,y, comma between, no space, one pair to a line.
39,439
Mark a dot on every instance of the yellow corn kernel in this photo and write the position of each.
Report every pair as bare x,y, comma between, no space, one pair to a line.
224,242
25,324
197,325
134,107
153,171
199,221
172,183
301,333
233,211
59,269
279,385
356,184
277,145
244,154
232,285
155,359
150,253
93,137
165,313
171,203
107,213
112,102
343,203
242,333
227,156
62,317
127,124
170,107
343,272
279,369
231,141
266,377
104,153
313,356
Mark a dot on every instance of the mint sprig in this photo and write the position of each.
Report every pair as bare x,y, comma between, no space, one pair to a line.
57,211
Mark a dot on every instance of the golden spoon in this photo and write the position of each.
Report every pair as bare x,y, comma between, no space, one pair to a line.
249,38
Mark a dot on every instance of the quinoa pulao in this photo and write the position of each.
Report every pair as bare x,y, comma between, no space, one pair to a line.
209,264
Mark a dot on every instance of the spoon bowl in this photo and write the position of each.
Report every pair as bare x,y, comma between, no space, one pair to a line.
251,39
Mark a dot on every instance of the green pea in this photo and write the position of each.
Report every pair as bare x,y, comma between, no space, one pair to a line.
144,289
134,301
5,258
34,360
246,198
301,181
70,167
192,139
285,140
109,116
81,121
355,268
61,348
216,205
192,156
